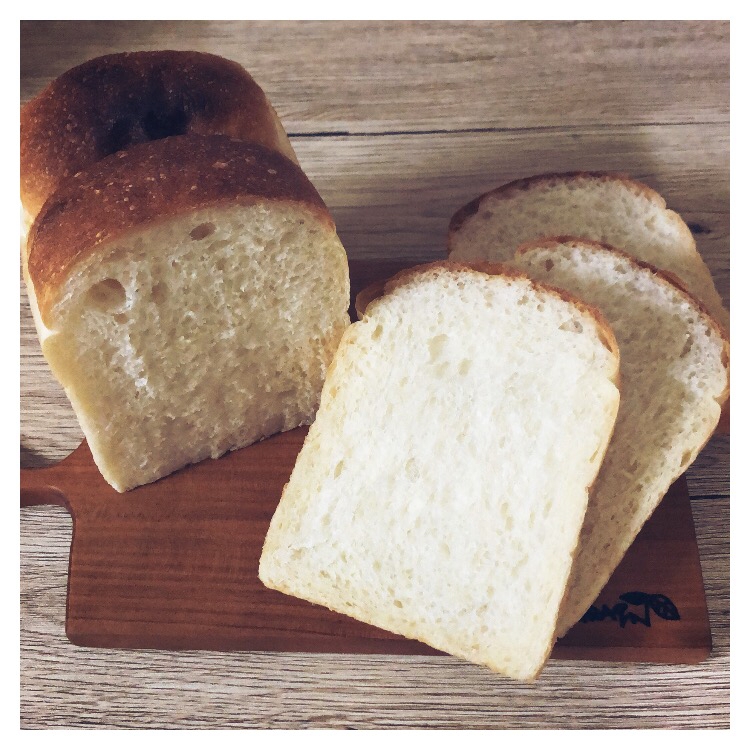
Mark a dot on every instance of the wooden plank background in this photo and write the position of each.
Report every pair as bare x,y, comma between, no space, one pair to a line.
398,124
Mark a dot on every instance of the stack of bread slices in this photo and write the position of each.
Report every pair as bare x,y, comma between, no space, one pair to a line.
497,428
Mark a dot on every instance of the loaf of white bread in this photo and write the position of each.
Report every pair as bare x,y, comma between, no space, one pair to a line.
441,490
188,289
674,361
189,293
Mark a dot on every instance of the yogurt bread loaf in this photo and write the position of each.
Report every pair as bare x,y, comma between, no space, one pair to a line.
607,208
189,294
441,490
675,378
113,102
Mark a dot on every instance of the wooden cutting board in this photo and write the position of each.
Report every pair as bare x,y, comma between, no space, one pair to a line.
173,565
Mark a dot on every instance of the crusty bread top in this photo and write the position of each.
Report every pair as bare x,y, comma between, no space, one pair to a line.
116,101
153,182
375,292
551,178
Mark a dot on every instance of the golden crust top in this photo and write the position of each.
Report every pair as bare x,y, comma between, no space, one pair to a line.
379,290
660,275
116,101
528,183
154,182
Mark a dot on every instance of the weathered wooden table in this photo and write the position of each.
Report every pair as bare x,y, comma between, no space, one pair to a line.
398,124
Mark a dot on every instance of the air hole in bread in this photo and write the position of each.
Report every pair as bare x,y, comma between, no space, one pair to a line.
159,292
377,333
688,346
464,367
686,458
203,230
397,603
117,255
411,469
549,264
338,469
107,295
441,369
436,346
572,326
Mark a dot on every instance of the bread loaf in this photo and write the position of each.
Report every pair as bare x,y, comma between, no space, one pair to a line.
189,294
117,101
440,492
674,364
603,207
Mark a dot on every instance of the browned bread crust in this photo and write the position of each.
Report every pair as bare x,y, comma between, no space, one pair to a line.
664,277
154,182
117,101
551,178
379,289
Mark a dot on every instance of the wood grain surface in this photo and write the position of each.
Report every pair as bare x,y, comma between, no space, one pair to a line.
397,124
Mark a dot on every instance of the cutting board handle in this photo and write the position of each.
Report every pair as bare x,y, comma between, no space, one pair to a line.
49,484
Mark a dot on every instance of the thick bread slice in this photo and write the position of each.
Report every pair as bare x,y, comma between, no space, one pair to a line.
189,294
440,492
606,208
674,362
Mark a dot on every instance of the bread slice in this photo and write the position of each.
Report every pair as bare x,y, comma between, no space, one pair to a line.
674,363
606,208
189,294
440,492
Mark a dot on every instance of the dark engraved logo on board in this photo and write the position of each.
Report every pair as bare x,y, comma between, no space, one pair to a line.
644,604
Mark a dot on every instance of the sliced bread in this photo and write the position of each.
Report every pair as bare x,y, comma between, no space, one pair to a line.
674,364
441,490
189,295
606,208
